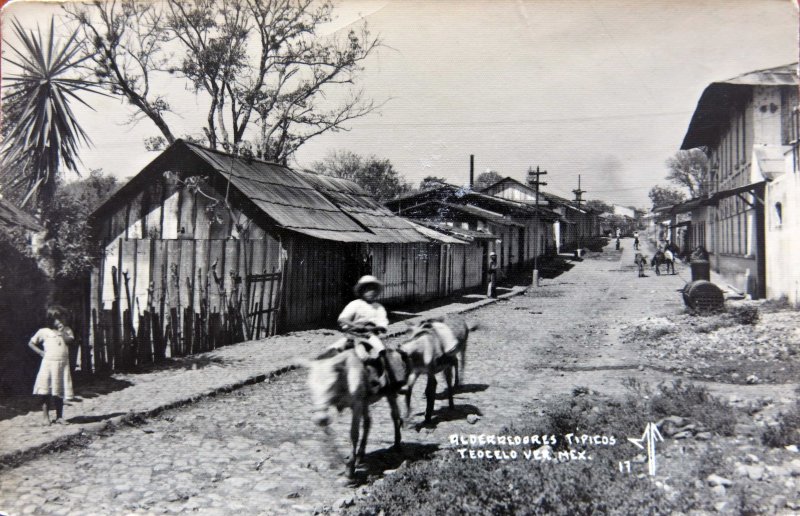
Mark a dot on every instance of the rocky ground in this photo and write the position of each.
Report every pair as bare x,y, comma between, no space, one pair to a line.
752,342
254,451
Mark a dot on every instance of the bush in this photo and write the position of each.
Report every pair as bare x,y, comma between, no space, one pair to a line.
451,485
786,432
693,402
744,314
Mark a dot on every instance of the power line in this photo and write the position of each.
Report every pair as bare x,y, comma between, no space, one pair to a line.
484,123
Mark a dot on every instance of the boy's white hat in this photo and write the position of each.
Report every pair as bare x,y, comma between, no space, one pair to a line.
367,281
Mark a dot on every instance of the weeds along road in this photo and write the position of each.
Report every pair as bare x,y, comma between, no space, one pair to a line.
254,451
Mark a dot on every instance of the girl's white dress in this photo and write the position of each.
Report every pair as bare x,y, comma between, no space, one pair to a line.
54,376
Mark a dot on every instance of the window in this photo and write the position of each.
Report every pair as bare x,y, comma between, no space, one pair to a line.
779,214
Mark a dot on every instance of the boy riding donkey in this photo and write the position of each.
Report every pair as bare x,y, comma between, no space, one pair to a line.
364,319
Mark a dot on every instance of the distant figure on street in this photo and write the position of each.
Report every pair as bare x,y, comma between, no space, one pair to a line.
635,240
617,243
54,382
699,254
619,233
641,261
492,275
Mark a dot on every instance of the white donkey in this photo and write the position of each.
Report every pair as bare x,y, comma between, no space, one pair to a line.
434,347
342,381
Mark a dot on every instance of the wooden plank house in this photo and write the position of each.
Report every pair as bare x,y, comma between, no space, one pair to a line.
203,249
516,231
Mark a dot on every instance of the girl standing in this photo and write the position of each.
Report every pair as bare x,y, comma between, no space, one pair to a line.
54,380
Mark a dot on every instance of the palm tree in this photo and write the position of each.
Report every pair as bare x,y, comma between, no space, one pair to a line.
43,131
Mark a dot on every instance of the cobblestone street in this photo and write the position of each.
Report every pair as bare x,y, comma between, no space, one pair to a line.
255,451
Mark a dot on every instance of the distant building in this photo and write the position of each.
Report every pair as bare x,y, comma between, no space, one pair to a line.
513,229
748,125
573,222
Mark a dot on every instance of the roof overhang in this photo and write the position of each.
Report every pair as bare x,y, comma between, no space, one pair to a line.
755,189
713,111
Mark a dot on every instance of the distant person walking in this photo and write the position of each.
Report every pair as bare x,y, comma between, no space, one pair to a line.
636,240
619,233
492,275
54,381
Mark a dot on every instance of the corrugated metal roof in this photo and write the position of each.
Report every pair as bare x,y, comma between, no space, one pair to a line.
713,110
12,218
785,75
359,205
325,208
279,192
437,235
464,234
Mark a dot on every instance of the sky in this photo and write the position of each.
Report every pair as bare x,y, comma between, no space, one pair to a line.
603,89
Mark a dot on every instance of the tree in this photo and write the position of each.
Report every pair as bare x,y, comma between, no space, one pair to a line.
599,206
377,176
690,169
486,179
431,182
665,196
43,131
68,233
256,63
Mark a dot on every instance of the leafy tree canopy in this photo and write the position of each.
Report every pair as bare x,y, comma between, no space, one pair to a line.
431,182
690,169
69,241
377,176
665,196
599,206
486,179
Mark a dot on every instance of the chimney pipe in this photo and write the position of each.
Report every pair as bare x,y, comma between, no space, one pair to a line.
471,170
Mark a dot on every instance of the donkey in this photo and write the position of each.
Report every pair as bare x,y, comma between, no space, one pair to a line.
426,353
641,261
342,381
663,258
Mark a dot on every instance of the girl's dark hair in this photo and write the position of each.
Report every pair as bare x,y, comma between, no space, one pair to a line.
55,312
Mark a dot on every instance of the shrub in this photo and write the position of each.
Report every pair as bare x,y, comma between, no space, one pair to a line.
696,403
744,314
786,432
448,484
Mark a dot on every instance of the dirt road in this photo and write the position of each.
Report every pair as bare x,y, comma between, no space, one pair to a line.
254,451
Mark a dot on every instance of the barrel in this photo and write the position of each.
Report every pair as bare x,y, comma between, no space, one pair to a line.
703,296
701,270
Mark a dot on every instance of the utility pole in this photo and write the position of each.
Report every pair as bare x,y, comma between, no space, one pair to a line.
533,179
579,200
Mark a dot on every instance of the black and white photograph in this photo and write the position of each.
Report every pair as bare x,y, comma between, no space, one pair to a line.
399,257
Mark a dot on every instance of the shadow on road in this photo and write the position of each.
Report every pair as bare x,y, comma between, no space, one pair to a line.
445,414
376,463
465,389
85,388
82,420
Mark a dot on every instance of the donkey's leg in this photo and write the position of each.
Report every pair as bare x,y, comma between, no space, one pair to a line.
395,411
354,424
430,396
367,424
412,378
448,376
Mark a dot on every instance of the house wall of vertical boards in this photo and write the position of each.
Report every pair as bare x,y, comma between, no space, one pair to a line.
186,269
733,121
